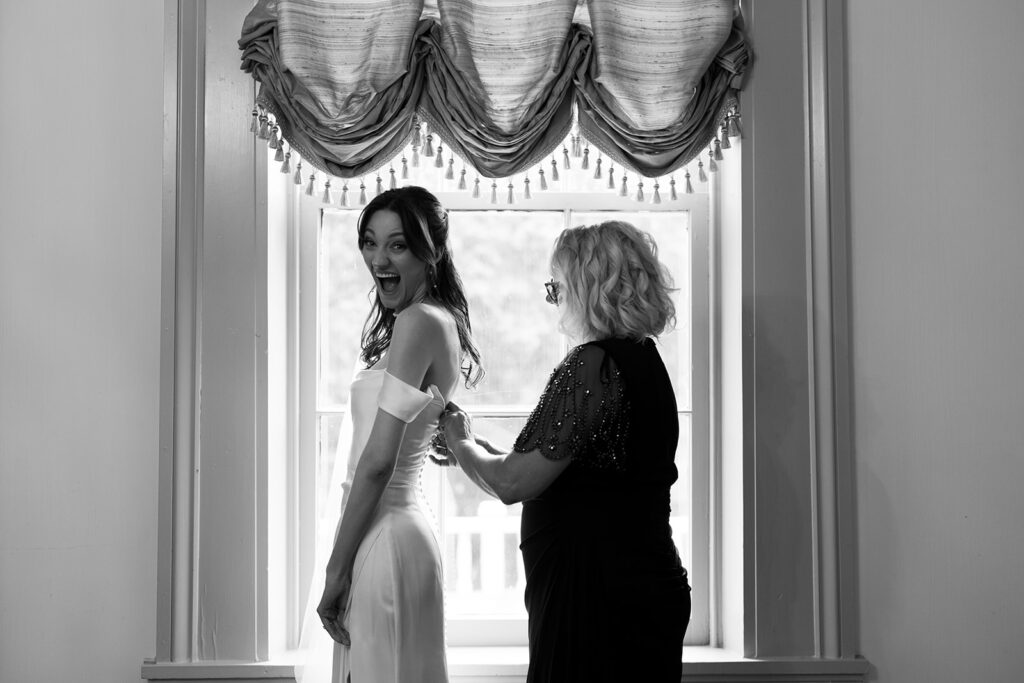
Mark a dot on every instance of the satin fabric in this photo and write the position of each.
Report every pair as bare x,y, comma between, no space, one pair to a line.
497,82
395,612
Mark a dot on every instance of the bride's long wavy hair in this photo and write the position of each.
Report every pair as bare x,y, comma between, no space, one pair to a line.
425,228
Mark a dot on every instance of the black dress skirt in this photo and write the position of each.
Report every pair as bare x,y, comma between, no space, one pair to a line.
607,597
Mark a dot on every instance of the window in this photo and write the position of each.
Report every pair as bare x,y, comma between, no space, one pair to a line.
781,490
501,252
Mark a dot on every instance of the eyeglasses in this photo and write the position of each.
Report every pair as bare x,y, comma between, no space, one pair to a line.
552,288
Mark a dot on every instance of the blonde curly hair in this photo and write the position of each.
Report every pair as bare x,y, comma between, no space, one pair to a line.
616,286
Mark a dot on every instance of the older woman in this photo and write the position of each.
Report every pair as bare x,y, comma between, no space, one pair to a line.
607,597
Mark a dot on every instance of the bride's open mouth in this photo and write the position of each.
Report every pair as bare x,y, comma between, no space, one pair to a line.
388,282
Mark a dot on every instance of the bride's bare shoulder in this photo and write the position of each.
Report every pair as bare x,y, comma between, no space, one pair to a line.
425,323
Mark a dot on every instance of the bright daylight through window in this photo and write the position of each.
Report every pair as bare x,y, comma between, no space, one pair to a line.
501,251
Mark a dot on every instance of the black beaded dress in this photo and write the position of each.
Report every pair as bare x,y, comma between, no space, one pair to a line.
607,597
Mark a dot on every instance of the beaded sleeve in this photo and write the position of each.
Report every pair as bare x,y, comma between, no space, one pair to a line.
583,413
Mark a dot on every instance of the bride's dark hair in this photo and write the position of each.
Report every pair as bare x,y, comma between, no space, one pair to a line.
425,228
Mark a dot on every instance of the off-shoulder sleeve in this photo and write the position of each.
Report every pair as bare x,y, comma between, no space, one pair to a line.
402,400
583,413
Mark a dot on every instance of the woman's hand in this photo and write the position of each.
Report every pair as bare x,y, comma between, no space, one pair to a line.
488,446
332,607
456,425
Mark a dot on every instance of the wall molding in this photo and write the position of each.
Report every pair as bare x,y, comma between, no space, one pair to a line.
828,276
476,667
212,508
800,595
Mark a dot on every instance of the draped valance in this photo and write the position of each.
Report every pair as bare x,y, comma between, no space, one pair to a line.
349,83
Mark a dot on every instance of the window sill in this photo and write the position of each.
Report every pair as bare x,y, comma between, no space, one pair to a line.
508,665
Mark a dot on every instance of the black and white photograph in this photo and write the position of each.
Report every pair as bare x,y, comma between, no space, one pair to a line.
511,341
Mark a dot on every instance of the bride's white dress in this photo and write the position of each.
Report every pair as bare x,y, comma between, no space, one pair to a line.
395,613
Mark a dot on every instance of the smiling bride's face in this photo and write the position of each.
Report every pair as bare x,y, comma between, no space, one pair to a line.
401,278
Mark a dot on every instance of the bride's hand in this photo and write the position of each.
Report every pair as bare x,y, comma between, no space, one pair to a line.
332,607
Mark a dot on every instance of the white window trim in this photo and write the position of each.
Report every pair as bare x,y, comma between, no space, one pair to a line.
304,218
208,443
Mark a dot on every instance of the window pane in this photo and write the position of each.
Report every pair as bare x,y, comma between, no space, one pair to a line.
681,497
502,257
503,260
483,568
328,431
671,232
344,303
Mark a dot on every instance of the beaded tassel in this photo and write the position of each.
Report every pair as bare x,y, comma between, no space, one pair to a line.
439,159
476,188
565,158
672,188
640,190
286,166
312,184
543,180
597,169
298,174
689,185
416,135
511,196
716,151
327,199
712,166
657,197
279,155
577,145
393,183
380,186
554,170
733,125
725,138
462,179
415,156
362,193
272,142
611,176
586,159
623,191
264,131
428,151
343,200
494,192
526,188
450,173
701,175
405,168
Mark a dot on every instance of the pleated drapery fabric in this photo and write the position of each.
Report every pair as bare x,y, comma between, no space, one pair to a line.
500,83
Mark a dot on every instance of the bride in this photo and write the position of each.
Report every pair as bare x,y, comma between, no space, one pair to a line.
383,599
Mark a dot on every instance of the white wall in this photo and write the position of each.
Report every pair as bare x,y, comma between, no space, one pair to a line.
937,222
81,102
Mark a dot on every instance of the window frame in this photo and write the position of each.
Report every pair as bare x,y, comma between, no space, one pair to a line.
794,179
303,218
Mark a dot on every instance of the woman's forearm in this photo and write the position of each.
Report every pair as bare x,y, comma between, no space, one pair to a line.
484,469
361,501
